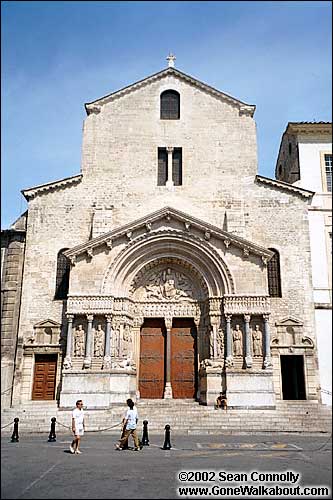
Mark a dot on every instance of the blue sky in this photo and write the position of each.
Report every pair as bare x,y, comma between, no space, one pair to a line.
56,56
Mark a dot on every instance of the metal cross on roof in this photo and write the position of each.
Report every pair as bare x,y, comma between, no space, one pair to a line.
171,60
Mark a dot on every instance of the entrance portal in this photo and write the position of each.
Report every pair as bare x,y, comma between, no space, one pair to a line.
292,371
183,358
153,359
45,376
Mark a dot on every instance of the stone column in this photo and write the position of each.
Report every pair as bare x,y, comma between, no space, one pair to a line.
169,182
107,351
69,342
168,388
229,357
248,356
267,343
89,342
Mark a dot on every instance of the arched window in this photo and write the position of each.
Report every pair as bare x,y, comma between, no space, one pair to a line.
170,105
273,274
62,279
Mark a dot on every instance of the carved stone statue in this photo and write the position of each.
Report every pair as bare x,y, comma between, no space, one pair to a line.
79,341
115,342
219,342
127,339
237,338
257,341
98,342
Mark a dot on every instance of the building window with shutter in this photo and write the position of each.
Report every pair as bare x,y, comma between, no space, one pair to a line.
62,278
273,274
170,167
170,105
328,172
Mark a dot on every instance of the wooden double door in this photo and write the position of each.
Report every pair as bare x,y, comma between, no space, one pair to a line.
44,376
153,359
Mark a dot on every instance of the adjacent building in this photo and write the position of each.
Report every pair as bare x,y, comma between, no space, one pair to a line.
305,160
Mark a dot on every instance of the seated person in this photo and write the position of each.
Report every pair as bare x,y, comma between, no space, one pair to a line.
221,401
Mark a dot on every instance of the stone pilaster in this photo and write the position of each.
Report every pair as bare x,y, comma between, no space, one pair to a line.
69,342
248,356
89,342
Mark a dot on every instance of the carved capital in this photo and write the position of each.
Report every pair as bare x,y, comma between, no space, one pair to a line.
109,243
168,322
265,317
73,260
70,318
90,317
90,253
108,318
247,318
228,318
169,149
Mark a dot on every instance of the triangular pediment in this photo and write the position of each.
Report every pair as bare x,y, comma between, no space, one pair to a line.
151,224
95,106
289,321
47,323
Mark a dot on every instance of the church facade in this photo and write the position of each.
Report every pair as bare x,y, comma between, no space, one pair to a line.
167,268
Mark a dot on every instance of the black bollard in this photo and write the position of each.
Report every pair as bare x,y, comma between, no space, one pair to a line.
167,443
52,435
15,436
145,440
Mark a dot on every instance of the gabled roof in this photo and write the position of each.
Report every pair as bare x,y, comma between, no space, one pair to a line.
95,106
147,222
50,186
285,186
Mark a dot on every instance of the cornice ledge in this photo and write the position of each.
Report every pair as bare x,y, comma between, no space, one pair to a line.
305,193
31,193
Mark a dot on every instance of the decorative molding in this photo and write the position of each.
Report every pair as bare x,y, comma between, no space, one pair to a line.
83,304
170,213
31,193
305,193
246,304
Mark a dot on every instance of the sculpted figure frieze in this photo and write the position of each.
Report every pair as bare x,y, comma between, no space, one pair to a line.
165,285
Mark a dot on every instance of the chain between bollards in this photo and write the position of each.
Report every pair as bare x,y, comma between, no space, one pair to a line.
15,436
145,440
167,443
52,435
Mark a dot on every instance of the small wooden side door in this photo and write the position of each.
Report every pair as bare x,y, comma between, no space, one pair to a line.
152,359
183,359
44,377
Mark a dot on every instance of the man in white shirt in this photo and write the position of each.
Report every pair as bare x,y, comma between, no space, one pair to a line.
77,427
130,421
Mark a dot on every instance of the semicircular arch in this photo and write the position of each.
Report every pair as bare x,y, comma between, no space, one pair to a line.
142,251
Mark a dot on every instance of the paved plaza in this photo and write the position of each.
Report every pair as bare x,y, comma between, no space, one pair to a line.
35,468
